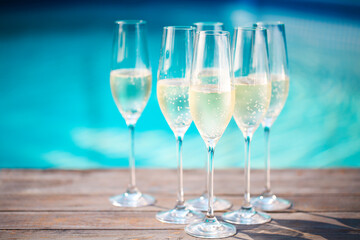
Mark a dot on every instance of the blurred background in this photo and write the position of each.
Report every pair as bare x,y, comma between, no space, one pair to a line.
57,110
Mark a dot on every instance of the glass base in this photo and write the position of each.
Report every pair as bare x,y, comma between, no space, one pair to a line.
246,216
179,215
210,228
270,203
132,199
202,203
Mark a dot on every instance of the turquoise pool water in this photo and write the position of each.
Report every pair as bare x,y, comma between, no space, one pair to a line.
57,109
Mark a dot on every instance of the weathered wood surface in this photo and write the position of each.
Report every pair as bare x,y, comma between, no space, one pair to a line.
59,204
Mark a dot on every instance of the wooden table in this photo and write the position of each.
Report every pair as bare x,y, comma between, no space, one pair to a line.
60,204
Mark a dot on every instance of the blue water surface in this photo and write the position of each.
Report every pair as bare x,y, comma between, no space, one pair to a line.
57,110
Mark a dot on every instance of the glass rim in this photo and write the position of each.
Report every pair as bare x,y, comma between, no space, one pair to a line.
209,23
179,28
254,28
132,22
214,32
270,23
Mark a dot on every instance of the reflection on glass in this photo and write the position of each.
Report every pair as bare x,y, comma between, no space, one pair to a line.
205,26
201,203
173,96
252,98
211,106
130,81
279,74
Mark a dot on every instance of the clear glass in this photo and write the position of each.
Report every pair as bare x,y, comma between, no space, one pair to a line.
279,74
173,96
201,203
252,97
130,81
211,106
209,26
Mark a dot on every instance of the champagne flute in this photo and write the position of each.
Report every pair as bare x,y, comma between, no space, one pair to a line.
201,203
173,96
252,98
279,74
130,81
211,107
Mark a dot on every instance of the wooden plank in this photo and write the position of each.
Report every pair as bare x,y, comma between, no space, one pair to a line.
248,234
60,204
146,220
227,182
84,202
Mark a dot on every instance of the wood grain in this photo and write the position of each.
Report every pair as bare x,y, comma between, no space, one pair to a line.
227,182
146,220
87,202
249,234
59,204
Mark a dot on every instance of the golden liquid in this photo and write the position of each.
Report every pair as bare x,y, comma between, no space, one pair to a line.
279,93
173,97
211,110
251,103
131,91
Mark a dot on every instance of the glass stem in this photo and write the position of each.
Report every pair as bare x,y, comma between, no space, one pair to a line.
267,160
210,184
132,186
205,193
180,201
247,203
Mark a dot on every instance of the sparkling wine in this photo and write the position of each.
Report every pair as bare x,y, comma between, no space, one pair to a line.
173,97
131,90
252,100
211,110
279,93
